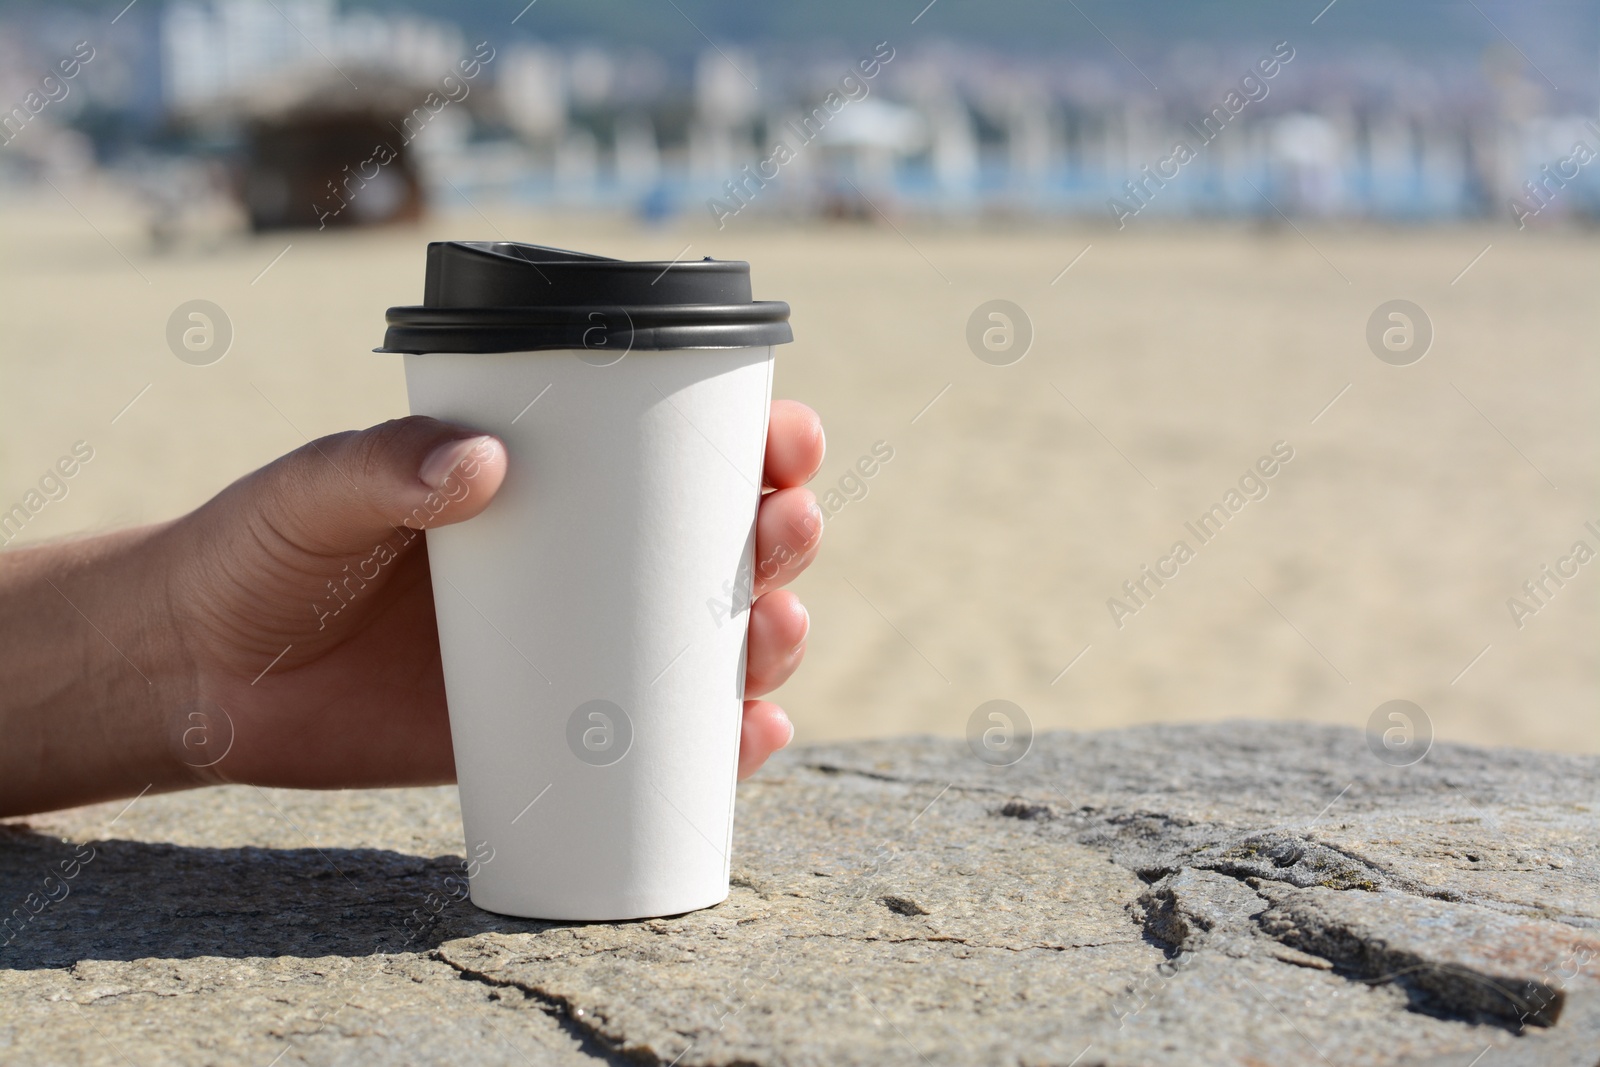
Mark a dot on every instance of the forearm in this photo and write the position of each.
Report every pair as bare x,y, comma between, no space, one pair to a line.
94,676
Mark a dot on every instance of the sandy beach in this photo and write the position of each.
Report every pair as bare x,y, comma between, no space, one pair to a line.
1407,504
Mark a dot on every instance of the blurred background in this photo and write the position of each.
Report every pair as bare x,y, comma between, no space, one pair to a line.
1076,266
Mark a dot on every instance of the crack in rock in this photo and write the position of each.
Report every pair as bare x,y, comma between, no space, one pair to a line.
570,1017
1453,959
1184,909
1283,857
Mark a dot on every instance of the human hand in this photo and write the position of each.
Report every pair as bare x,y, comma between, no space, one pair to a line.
359,700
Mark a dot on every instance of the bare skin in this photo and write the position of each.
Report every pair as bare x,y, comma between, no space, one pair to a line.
111,645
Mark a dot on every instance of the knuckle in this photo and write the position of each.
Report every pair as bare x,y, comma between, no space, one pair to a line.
378,448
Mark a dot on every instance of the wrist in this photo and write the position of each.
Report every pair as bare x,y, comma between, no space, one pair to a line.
96,670
153,562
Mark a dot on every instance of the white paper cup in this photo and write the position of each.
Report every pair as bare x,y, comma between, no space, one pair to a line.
590,623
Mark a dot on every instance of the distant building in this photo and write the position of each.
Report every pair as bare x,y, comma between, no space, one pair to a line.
329,105
311,90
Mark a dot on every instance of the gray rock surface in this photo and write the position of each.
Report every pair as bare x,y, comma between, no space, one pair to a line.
1241,893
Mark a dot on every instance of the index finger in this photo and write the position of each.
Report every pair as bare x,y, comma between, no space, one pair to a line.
795,444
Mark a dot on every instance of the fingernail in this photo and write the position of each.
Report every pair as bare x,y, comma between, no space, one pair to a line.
443,461
805,631
791,730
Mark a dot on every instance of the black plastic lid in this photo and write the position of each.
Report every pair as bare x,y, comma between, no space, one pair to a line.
502,296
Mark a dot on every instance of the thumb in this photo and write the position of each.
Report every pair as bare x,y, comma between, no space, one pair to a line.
341,494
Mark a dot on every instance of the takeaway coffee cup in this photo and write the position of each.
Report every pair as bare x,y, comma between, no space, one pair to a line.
592,619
